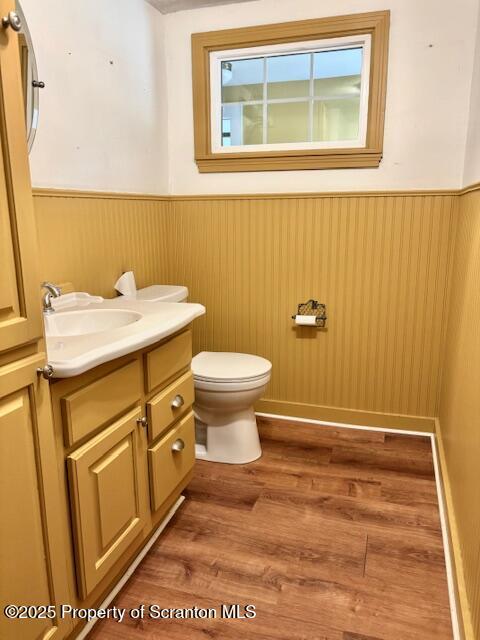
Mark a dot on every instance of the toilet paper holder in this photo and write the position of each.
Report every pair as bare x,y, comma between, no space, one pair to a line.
313,308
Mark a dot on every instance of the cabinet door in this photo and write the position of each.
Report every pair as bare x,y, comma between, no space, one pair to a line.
170,460
20,314
108,498
32,550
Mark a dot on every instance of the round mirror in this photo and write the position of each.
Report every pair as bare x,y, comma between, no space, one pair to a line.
30,82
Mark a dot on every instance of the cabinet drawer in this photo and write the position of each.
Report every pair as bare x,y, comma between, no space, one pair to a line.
169,405
108,498
101,401
169,463
165,361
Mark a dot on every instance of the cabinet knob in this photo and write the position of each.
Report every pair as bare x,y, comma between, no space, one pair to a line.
178,445
143,422
178,401
46,371
12,19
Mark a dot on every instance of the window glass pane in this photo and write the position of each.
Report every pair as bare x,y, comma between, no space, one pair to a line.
232,125
288,76
226,132
242,80
252,123
337,73
346,86
288,122
336,119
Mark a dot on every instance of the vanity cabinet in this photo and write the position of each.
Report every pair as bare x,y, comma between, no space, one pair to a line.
125,449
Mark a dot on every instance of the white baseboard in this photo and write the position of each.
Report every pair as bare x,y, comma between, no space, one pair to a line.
343,425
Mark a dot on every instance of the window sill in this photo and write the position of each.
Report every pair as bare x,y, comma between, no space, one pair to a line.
343,159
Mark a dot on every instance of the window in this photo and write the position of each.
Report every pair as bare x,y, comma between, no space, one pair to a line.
308,96
301,95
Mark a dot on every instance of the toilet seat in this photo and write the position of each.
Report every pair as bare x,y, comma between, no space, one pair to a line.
237,370
230,386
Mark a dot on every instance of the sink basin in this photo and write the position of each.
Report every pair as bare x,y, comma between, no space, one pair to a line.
80,323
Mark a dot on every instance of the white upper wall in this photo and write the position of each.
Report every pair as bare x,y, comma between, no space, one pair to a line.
106,126
429,80
471,173
103,113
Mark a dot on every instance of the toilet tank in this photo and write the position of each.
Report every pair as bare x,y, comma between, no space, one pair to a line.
163,293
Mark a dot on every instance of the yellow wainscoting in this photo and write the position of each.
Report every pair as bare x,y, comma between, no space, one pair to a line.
379,262
460,405
89,239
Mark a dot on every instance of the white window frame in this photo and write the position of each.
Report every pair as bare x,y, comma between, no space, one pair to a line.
317,46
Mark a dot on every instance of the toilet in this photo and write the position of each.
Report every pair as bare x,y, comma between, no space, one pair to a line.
227,385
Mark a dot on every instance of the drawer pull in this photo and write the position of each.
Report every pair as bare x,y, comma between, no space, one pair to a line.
178,445
142,422
178,402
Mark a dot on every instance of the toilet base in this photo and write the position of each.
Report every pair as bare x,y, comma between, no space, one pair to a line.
235,442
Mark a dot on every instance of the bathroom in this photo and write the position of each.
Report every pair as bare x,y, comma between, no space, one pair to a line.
239,330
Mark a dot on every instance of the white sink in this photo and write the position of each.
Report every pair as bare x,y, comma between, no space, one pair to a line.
80,323
91,332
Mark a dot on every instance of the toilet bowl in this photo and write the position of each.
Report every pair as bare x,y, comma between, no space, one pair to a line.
226,387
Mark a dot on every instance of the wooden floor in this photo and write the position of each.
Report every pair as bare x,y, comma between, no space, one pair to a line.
333,534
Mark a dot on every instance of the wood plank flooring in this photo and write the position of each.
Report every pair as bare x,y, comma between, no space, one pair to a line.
334,534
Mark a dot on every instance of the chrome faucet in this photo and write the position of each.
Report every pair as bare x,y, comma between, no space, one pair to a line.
52,291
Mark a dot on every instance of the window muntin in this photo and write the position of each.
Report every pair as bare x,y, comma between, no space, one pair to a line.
302,95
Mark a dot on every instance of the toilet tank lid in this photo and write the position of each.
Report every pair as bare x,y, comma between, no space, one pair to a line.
221,365
162,293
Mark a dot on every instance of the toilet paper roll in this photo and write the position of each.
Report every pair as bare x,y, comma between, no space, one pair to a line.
308,321
126,284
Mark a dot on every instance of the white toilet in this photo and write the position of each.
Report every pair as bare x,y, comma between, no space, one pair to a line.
226,387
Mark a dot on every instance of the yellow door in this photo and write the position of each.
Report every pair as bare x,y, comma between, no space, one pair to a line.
32,553
108,496
170,460
20,314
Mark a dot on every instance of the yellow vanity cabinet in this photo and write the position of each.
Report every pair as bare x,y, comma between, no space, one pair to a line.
108,498
124,455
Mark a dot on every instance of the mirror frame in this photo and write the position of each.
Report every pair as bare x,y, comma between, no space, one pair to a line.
31,126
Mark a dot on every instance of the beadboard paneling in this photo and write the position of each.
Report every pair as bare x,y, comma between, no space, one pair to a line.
90,240
460,398
380,263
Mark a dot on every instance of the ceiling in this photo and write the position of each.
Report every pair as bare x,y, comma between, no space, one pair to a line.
170,6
